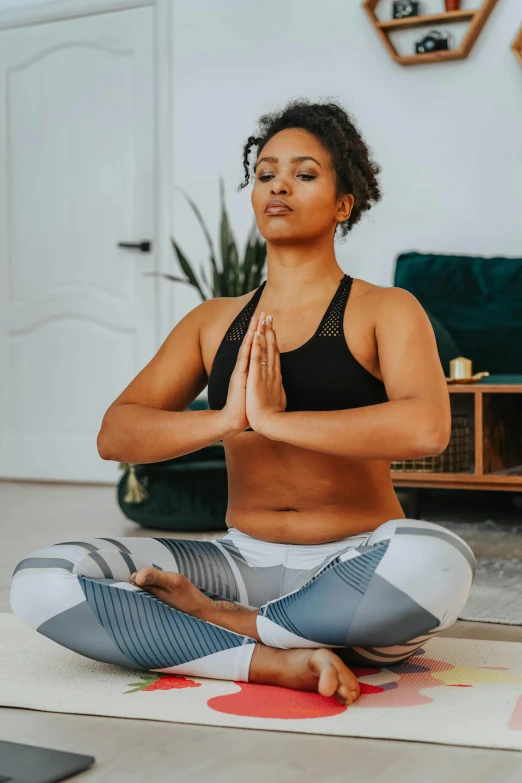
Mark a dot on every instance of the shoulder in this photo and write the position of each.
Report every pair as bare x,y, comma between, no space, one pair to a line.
392,296
388,309
397,304
367,298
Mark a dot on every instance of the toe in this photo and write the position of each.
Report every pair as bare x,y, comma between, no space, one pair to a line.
146,577
346,694
328,681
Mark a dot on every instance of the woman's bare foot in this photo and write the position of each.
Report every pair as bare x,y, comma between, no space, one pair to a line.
306,670
180,593
174,589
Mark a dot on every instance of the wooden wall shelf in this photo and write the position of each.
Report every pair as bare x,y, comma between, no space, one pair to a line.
477,19
496,418
516,46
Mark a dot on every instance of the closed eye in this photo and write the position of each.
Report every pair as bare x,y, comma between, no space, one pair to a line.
309,177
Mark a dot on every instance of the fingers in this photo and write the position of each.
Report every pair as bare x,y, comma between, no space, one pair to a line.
260,349
262,342
255,353
270,345
274,360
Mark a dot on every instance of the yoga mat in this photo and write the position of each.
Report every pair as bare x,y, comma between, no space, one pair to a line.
451,691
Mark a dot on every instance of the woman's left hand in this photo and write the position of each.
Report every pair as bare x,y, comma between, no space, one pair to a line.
265,395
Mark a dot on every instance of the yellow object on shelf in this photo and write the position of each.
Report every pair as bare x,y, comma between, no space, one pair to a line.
461,371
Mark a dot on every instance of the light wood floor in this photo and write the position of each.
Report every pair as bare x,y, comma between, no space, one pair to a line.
38,514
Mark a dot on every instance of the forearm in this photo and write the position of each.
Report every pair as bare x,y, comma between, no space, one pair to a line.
398,429
139,434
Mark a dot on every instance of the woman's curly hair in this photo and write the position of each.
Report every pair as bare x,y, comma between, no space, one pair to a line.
356,171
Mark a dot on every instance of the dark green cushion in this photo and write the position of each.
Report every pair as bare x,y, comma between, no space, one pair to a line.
182,496
186,493
478,301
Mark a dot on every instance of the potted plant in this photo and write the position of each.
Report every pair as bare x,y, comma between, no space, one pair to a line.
235,277
452,5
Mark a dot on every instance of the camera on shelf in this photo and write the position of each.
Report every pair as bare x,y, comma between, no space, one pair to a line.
433,42
402,9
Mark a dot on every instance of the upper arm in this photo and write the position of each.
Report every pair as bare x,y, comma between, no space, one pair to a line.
409,360
176,374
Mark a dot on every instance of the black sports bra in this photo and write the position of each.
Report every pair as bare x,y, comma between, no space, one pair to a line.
320,375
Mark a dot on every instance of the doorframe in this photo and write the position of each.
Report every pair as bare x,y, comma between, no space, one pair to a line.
58,10
163,135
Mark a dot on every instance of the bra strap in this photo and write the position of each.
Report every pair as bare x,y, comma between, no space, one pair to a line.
238,327
332,322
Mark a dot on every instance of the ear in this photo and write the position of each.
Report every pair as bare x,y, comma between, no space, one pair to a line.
345,206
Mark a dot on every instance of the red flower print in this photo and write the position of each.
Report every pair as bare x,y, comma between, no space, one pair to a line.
272,701
162,682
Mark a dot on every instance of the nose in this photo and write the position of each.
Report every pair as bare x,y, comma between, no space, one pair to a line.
278,185
279,190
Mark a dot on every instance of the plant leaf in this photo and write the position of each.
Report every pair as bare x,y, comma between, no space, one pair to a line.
204,276
186,267
229,254
248,261
202,223
173,278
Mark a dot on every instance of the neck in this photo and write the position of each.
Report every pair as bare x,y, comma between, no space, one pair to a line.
303,284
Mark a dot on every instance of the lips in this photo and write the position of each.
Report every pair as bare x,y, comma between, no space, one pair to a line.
277,210
277,206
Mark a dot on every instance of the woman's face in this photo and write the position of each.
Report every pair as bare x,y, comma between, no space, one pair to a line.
306,185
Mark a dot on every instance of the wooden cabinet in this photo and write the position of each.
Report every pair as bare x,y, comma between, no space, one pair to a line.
494,408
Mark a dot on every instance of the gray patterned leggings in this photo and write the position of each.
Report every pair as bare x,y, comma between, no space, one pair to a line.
375,597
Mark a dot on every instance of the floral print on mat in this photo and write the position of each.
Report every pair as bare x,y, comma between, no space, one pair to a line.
398,685
162,682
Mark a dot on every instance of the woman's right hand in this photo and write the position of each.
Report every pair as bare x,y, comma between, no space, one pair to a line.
234,412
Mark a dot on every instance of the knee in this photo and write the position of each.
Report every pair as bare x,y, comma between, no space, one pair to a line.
422,545
42,582
67,557
430,563
96,558
46,580
49,577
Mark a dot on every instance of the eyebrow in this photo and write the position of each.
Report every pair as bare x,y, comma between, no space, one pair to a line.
295,159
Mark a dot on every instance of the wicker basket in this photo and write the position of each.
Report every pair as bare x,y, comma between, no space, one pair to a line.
455,457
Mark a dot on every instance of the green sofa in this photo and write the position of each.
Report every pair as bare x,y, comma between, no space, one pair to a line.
474,301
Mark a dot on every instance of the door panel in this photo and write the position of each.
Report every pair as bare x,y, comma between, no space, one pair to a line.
77,316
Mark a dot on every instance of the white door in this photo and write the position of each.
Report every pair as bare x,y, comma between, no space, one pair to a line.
77,315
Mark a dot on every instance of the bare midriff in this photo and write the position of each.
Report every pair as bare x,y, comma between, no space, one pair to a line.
286,494
290,495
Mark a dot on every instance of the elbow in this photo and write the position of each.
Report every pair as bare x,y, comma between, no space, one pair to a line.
434,440
103,440
102,446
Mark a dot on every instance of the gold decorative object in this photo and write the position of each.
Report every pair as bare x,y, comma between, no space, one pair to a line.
135,491
461,372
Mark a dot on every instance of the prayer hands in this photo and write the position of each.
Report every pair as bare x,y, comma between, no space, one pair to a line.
255,390
265,394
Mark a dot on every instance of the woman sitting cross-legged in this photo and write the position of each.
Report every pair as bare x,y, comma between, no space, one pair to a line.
316,381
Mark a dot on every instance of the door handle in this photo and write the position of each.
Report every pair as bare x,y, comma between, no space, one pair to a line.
144,246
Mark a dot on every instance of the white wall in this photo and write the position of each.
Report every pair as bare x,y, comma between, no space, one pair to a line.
447,135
